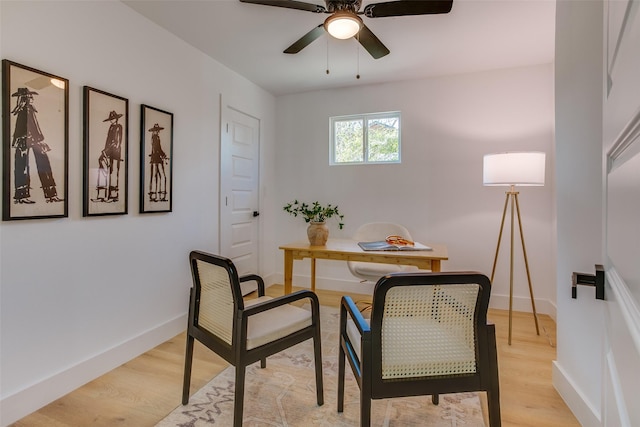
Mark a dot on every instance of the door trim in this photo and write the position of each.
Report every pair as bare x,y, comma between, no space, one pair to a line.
627,304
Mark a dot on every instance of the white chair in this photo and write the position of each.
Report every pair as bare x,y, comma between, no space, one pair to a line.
371,232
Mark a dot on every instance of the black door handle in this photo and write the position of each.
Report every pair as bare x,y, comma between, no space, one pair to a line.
256,213
596,280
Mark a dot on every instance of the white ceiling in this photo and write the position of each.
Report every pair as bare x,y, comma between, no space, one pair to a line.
477,35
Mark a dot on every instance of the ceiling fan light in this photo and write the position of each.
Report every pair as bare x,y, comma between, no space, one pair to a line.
343,24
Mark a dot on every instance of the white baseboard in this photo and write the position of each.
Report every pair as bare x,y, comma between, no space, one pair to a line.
523,304
34,397
587,415
338,285
353,286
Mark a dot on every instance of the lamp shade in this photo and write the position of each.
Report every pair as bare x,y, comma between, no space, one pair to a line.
519,168
343,24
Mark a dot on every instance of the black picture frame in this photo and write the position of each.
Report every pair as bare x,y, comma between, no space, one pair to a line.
106,153
156,160
35,135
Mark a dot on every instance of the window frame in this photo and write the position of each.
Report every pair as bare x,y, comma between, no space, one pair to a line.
364,118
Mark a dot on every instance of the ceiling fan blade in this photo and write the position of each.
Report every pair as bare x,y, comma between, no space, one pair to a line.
407,7
289,4
306,40
371,43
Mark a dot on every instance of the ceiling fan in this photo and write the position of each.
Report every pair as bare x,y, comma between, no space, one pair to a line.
345,23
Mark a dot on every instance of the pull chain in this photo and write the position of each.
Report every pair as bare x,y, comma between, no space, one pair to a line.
358,56
327,54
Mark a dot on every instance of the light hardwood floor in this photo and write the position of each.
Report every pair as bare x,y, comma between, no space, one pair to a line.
143,391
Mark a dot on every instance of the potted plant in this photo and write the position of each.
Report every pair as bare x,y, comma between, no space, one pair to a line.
316,215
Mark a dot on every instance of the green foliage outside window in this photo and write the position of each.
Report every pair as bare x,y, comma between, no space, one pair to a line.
349,141
383,137
376,142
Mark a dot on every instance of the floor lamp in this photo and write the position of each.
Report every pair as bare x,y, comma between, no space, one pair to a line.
511,170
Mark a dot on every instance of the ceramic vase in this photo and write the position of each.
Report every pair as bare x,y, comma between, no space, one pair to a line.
318,233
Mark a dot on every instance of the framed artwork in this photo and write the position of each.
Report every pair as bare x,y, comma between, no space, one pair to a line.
156,165
106,148
35,147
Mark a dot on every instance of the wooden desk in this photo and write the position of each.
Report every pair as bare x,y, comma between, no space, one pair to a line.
348,250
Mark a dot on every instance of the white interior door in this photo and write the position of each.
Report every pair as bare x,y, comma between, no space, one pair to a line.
239,184
621,111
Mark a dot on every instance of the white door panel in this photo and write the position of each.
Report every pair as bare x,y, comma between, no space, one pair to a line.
621,142
239,198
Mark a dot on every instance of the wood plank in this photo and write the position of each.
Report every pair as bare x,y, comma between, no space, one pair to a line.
144,390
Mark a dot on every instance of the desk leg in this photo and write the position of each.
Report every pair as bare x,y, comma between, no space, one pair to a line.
435,265
288,272
313,274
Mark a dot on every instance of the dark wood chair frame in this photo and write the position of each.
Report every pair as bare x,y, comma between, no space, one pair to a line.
368,371
237,353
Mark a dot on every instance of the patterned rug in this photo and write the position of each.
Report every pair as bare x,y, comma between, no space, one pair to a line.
284,394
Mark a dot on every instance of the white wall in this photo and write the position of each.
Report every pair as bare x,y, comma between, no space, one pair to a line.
448,124
578,81
80,296
65,320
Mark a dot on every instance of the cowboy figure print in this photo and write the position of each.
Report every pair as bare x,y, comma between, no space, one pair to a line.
108,182
156,148
106,127
35,143
28,139
157,160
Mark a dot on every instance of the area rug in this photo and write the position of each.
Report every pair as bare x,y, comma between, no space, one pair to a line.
284,394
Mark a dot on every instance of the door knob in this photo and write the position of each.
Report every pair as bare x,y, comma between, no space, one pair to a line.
256,213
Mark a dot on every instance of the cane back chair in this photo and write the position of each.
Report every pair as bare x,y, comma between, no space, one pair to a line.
428,335
243,332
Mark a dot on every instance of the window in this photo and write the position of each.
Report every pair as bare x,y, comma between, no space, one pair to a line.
365,138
